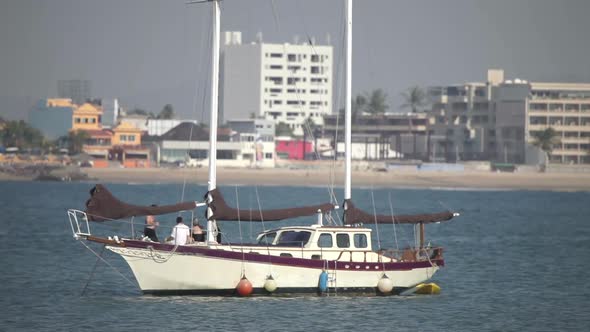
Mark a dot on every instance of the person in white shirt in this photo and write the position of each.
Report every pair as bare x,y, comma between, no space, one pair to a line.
180,232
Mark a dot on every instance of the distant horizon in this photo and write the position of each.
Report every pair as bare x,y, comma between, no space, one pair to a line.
148,53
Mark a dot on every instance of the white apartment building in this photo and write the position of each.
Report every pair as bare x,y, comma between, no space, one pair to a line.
281,82
524,108
497,120
463,119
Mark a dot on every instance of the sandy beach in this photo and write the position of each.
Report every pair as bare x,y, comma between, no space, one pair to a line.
369,178
325,177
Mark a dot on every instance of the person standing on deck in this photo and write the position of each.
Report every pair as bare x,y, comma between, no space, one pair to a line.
150,228
198,234
180,232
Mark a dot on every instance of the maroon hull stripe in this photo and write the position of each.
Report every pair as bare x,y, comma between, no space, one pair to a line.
287,261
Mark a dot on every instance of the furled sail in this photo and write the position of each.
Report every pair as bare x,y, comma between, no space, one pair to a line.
221,211
102,206
355,215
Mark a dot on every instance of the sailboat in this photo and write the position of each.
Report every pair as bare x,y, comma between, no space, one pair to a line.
313,258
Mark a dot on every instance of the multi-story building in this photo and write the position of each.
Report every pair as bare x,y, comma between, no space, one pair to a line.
281,82
53,117
189,143
524,108
463,120
253,129
382,136
77,90
496,120
87,117
157,127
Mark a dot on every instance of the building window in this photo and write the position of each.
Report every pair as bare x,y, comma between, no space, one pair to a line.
123,138
85,120
268,155
291,57
131,138
315,58
276,80
225,154
315,69
276,55
276,67
77,120
93,120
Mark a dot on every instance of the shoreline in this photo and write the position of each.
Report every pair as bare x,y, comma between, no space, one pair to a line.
322,177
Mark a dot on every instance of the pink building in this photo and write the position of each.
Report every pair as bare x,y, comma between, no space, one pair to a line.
293,148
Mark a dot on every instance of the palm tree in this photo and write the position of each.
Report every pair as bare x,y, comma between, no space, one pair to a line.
13,133
545,140
376,102
76,140
283,129
20,134
167,112
358,106
414,99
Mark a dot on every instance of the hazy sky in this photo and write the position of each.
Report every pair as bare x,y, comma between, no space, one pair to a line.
149,53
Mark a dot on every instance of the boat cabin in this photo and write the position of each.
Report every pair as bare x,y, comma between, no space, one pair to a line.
319,238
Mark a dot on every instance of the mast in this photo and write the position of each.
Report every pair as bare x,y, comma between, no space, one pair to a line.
213,113
348,107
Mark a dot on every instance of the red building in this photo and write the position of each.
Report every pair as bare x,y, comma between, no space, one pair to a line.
293,148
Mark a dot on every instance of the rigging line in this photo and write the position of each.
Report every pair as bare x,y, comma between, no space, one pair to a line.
195,98
92,272
107,263
375,217
306,125
393,221
263,227
444,206
250,214
340,81
240,228
160,259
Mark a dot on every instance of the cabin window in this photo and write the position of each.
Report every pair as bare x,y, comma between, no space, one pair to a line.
293,238
342,240
360,240
325,240
267,239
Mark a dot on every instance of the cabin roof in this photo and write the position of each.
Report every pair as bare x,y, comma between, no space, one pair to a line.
314,228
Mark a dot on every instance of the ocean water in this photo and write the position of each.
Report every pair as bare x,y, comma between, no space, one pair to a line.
515,261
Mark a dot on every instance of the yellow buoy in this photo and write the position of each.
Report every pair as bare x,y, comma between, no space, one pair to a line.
427,289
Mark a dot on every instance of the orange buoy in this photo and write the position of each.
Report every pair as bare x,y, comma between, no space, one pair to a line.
244,287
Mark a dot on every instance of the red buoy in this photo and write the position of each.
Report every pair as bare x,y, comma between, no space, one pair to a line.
244,287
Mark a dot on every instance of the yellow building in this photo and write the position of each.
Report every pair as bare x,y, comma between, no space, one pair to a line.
87,117
59,102
126,134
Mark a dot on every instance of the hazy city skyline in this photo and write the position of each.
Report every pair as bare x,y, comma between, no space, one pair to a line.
152,53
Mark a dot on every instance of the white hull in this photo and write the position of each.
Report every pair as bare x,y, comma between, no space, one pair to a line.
160,271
